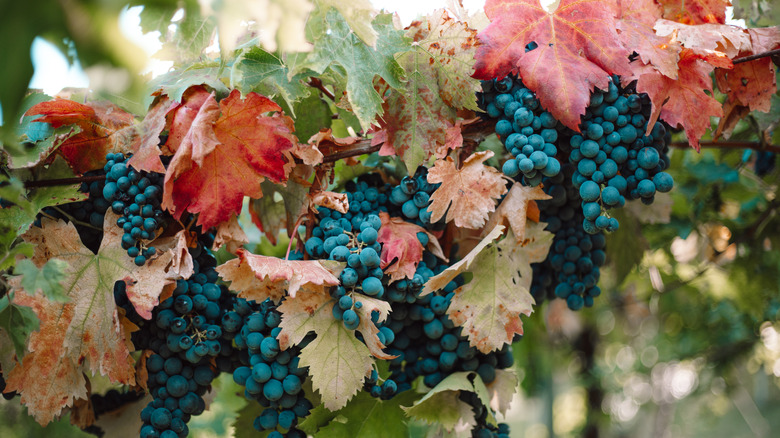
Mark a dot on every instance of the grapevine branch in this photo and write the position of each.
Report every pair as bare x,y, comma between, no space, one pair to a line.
63,181
756,56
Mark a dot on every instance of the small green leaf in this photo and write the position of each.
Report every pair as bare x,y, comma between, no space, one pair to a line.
262,72
47,279
314,114
18,322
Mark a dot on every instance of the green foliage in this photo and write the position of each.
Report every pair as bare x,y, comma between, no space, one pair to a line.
336,47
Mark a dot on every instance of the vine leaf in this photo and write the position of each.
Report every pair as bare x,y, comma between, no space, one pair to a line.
706,38
695,11
104,128
635,27
687,101
252,146
420,118
467,195
231,235
84,334
502,389
358,14
371,417
367,328
749,85
442,404
338,362
146,150
336,44
489,306
280,206
257,70
401,250
514,209
257,277
578,48
17,321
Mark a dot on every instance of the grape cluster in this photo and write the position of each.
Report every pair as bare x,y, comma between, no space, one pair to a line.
352,238
527,131
136,197
425,340
410,199
615,159
270,376
571,269
190,329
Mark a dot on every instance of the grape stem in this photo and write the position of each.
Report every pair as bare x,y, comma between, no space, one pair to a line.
756,56
317,83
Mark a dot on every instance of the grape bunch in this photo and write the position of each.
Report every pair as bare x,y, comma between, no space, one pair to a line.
615,160
188,331
352,238
425,340
270,377
527,131
136,197
571,269
411,197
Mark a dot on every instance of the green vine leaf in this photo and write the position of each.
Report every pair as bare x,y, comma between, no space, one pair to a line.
370,417
262,72
338,362
336,45
17,322
442,404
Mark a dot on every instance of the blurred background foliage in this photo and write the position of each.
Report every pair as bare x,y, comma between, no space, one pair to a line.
684,342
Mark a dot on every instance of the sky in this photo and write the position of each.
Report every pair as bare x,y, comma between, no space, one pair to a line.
53,71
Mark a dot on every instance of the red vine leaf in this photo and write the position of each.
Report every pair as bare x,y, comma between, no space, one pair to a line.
401,250
683,102
467,195
752,83
146,149
257,277
695,11
578,48
636,19
706,38
104,128
252,146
